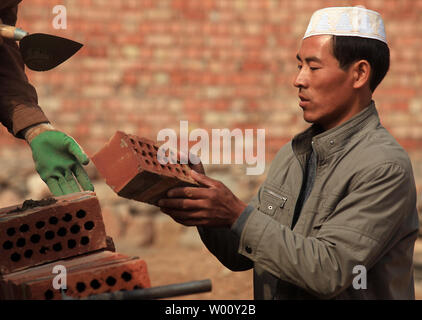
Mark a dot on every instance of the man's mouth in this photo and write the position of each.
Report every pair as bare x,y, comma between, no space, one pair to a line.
303,100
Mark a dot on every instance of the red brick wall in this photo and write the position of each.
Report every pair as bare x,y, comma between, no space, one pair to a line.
147,64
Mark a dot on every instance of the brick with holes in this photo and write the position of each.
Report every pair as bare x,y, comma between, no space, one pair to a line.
85,275
38,232
130,167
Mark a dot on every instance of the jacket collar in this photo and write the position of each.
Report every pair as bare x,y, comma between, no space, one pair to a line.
327,142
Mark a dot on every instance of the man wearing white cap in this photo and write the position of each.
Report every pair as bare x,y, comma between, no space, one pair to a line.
336,217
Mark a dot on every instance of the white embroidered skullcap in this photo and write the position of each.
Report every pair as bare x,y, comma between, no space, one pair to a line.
347,21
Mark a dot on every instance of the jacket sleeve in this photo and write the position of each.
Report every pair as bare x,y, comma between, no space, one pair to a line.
18,99
223,243
356,233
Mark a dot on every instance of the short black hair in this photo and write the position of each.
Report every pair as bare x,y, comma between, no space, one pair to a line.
348,49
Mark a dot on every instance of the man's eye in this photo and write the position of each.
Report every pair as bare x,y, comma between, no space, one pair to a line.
313,68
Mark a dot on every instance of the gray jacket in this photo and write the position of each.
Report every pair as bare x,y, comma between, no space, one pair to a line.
360,215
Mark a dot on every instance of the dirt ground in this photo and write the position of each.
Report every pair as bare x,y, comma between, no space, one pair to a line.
171,265
177,264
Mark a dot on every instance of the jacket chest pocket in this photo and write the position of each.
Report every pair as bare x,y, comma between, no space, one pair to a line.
272,202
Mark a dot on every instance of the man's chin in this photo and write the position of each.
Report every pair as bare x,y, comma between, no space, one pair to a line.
308,117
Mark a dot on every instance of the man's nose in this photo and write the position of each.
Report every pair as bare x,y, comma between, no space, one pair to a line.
300,81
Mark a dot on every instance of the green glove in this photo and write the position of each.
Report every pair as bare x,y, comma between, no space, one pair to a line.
58,160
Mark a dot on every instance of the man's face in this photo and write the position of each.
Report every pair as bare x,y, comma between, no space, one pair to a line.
325,90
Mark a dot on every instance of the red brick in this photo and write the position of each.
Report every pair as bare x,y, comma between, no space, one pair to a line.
71,226
130,167
86,275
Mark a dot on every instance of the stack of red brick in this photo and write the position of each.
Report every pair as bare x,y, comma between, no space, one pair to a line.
64,231
69,230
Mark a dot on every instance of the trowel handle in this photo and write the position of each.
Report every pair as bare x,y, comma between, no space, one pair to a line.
11,32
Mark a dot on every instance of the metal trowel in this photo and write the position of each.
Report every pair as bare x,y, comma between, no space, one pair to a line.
40,52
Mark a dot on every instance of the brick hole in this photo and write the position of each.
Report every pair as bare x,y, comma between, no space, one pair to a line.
24,228
150,154
111,281
126,276
53,220
75,228
177,169
84,240
95,284
62,232
71,243
81,214
141,144
43,250
144,153
148,146
57,247
21,242
49,294
162,166
147,162
15,257
133,141
80,286
11,231
7,245
35,238
28,253
89,225
67,217
39,224
155,148
49,235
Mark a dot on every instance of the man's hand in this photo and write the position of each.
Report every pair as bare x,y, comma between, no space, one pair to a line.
58,160
212,205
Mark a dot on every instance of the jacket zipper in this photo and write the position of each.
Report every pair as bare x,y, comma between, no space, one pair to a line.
300,189
284,199
316,161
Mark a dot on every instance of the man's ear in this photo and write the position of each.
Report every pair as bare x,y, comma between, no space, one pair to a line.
361,73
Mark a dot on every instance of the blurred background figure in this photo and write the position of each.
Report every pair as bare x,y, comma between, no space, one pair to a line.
58,158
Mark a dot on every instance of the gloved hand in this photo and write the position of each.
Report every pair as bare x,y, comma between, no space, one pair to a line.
58,160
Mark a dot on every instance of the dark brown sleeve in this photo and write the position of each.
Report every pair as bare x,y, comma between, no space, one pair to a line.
18,99
6,4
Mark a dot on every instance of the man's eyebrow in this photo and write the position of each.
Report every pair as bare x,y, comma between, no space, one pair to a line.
309,59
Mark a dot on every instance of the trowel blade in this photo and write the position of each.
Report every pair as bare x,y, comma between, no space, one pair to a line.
42,52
